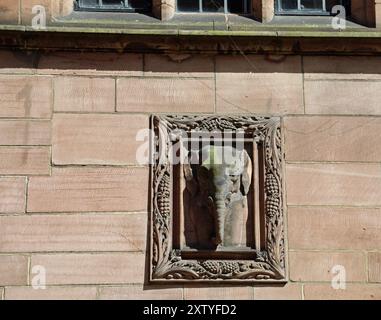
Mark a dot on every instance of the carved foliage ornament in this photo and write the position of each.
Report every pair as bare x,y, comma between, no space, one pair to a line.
167,263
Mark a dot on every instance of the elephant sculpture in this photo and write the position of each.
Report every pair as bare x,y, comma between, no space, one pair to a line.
216,194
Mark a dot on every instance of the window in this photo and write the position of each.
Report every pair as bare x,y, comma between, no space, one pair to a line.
210,6
306,7
113,5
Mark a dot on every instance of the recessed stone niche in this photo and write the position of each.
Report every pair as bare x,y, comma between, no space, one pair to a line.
217,199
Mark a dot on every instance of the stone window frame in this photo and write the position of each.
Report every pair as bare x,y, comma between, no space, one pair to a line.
167,263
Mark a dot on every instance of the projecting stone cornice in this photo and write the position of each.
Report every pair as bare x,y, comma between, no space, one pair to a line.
199,39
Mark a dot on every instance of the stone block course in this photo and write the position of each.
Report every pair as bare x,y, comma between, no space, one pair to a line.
87,189
140,292
73,232
171,95
326,138
98,268
24,160
346,184
82,94
13,270
98,139
12,194
317,265
51,293
334,228
25,97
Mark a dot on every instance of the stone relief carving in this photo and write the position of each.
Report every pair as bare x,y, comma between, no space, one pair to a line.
217,188
220,193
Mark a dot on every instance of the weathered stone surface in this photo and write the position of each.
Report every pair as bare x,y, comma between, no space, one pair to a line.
51,293
219,293
139,292
89,189
351,292
334,228
262,93
290,291
374,262
103,268
12,194
24,160
80,94
16,62
349,65
317,265
25,96
353,184
165,95
9,12
181,65
90,232
13,270
342,95
61,8
89,63
25,133
333,138
98,139
257,63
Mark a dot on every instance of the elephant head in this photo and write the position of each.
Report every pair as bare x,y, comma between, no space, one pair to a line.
223,176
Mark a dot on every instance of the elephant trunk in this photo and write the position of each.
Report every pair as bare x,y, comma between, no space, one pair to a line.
220,219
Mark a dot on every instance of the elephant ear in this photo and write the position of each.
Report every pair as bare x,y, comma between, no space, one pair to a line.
191,183
247,172
191,158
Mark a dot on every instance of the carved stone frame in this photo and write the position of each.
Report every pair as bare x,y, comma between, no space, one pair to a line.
166,263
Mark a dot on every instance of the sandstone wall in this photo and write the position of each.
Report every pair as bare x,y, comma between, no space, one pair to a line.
74,199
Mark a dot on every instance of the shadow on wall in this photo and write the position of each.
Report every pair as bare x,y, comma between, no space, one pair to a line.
61,62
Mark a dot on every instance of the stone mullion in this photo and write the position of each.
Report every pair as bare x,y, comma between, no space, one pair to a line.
163,9
263,10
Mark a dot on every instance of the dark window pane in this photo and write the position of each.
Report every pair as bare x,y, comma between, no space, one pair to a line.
139,4
88,3
118,3
311,4
213,5
331,3
188,5
289,5
236,6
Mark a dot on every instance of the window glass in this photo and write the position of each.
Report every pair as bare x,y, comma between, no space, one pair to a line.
188,5
113,4
289,4
88,2
237,6
311,5
308,6
213,5
233,6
